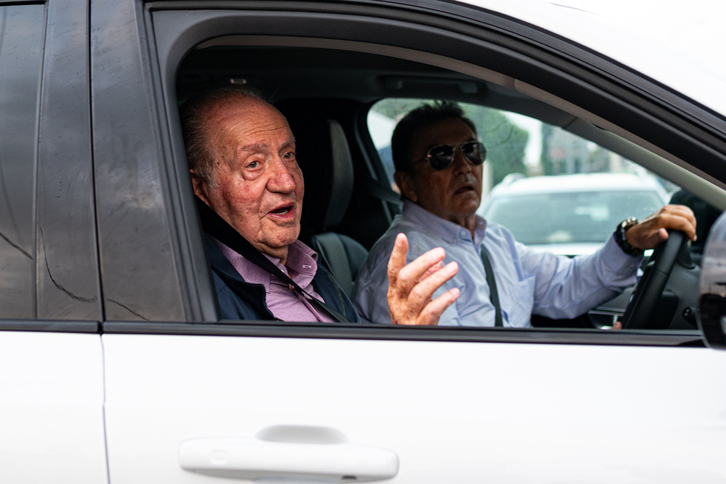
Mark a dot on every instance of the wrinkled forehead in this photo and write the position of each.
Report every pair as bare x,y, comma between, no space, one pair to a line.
245,116
240,121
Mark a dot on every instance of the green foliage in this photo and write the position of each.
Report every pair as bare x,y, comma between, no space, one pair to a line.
505,141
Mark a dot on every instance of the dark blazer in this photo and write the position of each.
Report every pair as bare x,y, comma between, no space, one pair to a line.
240,300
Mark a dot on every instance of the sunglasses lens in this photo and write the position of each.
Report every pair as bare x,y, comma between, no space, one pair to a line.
474,151
441,156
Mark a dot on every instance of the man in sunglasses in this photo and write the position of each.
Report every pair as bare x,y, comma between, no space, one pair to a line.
438,160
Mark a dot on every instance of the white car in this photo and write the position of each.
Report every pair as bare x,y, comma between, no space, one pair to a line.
571,214
116,368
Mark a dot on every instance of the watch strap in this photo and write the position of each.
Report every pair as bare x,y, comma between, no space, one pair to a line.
622,241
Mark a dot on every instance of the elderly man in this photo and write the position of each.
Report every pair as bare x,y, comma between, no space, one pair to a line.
438,161
241,156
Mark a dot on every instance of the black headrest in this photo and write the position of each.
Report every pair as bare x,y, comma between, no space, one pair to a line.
324,158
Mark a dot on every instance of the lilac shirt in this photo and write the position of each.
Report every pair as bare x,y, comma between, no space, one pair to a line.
282,300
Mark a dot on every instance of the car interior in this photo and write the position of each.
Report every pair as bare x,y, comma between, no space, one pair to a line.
326,94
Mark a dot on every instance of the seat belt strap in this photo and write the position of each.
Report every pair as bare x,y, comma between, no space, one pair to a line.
493,293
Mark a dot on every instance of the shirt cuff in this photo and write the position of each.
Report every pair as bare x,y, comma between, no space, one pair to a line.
619,266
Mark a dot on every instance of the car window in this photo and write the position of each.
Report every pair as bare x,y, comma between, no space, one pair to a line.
21,28
551,188
518,147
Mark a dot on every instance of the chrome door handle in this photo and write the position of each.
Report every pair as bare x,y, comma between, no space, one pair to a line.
289,452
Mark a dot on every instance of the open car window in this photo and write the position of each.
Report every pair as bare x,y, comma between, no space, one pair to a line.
313,78
558,192
553,189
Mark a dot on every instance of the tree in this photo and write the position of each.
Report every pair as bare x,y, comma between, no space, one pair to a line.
505,141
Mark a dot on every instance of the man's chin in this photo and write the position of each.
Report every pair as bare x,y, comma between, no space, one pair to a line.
467,202
282,238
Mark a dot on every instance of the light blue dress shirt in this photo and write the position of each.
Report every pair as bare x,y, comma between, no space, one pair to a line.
529,282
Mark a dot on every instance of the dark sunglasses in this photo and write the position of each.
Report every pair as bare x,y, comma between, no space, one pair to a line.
441,156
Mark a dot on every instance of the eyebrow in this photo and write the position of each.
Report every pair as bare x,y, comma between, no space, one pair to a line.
261,146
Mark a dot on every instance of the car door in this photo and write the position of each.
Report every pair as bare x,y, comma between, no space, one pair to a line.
51,382
188,408
189,398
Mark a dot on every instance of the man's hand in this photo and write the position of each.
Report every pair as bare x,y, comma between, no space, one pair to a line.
410,287
651,232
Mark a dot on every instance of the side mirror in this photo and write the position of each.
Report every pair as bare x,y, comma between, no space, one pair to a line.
712,299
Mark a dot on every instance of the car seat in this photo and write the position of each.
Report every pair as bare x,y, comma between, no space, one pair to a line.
324,157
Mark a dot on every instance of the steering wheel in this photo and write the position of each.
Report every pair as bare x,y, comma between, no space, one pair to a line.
651,285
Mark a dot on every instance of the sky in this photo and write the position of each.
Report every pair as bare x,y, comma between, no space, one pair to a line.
693,27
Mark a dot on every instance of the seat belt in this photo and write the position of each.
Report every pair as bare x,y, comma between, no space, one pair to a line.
218,228
493,293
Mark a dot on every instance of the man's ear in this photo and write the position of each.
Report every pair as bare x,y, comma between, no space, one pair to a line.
405,183
200,186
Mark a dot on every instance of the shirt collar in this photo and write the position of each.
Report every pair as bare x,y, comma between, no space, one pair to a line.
447,230
301,260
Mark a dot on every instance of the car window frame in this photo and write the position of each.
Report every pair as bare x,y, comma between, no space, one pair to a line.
173,41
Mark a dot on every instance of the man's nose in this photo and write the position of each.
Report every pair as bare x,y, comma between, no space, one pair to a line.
282,178
461,163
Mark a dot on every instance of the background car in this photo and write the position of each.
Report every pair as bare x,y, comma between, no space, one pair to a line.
571,214
116,366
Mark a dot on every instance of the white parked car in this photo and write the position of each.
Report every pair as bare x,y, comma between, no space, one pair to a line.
116,368
571,214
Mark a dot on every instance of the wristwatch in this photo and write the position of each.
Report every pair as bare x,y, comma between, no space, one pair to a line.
622,241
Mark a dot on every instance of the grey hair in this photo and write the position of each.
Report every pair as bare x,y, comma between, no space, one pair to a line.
194,121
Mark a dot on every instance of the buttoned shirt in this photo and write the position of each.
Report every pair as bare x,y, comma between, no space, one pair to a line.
283,301
528,281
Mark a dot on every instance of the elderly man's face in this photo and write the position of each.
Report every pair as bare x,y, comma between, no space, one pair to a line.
257,185
453,193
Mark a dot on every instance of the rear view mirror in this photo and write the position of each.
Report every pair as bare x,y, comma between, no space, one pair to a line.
712,300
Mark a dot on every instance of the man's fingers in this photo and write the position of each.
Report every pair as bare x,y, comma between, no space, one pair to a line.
652,230
397,261
656,238
678,217
413,272
432,270
431,314
425,289
411,286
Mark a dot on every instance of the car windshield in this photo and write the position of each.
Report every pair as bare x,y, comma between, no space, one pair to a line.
569,217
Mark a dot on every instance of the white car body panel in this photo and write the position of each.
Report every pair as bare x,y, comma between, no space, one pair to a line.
452,412
685,74
51,402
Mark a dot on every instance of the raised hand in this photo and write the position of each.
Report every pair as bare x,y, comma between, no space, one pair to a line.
411,287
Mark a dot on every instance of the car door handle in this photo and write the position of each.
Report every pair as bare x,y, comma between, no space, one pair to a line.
315,454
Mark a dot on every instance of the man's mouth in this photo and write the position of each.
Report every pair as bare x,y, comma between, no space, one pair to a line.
283,210
464,189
